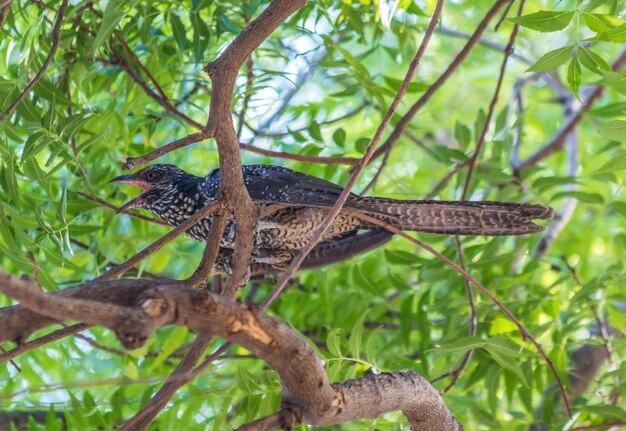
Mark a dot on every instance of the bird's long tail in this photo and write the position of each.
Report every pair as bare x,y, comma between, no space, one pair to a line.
457,217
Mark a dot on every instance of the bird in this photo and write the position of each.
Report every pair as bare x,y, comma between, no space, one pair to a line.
301,203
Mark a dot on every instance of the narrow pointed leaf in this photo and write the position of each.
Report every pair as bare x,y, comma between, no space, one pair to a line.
551,60
545,21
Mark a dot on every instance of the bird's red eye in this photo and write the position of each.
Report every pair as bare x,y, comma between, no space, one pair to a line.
150,175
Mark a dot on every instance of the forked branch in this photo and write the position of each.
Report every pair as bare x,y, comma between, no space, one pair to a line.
134,309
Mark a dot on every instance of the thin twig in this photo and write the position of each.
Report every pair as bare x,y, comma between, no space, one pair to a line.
317,236
473,40
378,173
135,162
485,42
504,14
145,70
445,180
5,8
351,113
604,333
56,32
164,102
492,105
456,374
484,291
95,344
113,208
200,276
38,342
155,246
246,97
132,55
561,137
599,426
112,263
301,158
11,361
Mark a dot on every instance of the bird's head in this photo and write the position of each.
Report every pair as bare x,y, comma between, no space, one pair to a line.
157,182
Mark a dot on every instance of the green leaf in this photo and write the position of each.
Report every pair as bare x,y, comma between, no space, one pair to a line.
607,412
69,126
492,174
591,60
400,257
356,336
620,207
552,59
179,32
545,21
174,340
615,130
617,318
589,198
600,23
615,80
463,135
110,19
227,25
610,110
506,363
406,318
616,35
461,345
333,342
617,163
501,325
545,183
314,131
574,75
361,144
339,137
62,208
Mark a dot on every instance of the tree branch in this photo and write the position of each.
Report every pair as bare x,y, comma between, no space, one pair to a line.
492,105
155,246
360,166
484,291
223,72
407,118
559,140
135,308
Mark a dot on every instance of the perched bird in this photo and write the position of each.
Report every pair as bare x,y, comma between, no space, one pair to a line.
174,195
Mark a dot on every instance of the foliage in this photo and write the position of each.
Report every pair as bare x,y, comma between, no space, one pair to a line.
319,86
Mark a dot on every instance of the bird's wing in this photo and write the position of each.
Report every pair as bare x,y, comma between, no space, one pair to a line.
278,185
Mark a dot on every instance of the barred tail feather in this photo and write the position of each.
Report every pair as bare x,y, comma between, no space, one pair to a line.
458,217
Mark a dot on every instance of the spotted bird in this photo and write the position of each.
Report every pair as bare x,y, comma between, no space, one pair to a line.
174,195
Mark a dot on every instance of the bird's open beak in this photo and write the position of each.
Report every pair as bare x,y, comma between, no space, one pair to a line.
130,179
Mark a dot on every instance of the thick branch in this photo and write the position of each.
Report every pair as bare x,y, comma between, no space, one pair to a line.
308,394
18,322
223,72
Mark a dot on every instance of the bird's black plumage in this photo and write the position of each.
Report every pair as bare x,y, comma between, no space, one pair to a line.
174,195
